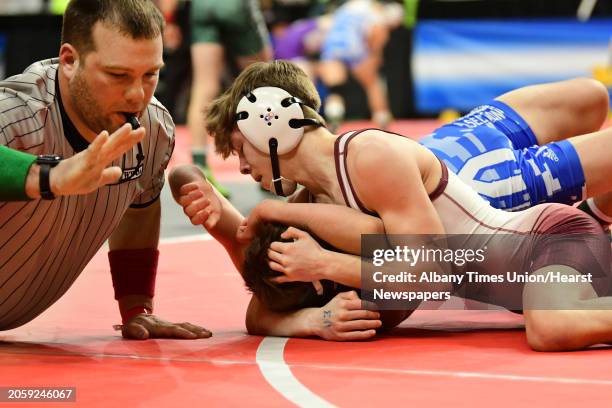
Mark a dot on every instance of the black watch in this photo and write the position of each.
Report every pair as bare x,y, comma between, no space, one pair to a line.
46,163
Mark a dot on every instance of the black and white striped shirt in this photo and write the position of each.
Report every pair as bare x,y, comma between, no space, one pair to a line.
44,245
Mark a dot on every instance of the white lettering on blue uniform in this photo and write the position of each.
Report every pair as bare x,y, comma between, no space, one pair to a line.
474,148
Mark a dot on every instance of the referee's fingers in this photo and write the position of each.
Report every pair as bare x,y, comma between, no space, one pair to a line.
99,147
118,148
120,142
134,330
199,331
110,175
187,188
96,146
165,330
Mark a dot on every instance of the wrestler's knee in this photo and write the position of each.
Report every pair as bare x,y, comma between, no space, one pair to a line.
550,330
598,92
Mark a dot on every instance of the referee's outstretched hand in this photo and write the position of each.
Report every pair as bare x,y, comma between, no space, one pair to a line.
89,170
145,326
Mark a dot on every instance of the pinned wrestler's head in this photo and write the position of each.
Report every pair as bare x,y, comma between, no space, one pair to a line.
258,276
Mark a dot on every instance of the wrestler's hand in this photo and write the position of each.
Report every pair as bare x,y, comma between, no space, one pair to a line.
89,170
264,211
301,260
145,326
200,203
344,319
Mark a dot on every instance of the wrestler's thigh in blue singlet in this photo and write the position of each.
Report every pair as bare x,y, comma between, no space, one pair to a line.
495,151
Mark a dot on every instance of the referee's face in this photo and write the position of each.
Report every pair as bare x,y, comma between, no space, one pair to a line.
116,79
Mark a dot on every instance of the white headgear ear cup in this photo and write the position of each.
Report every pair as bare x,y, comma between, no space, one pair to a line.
262,116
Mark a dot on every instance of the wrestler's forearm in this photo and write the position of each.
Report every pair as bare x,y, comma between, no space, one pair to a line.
225,232
261,321
340,226
234,249
347,270
342,268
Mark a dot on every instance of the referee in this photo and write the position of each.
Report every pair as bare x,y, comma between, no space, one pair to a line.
73,173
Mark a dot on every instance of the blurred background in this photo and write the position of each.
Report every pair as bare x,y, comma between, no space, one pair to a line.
440,57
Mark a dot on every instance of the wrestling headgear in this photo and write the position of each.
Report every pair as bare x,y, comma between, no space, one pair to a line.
272,120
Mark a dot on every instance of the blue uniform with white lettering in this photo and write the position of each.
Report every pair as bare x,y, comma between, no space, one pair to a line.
347,39
494,150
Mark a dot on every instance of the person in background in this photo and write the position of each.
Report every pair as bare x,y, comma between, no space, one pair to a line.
355,42
232,29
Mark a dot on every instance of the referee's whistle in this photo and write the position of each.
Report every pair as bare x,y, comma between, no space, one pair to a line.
133,121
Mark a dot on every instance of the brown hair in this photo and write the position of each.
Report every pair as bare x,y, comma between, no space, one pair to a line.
221,114
136,18
279,297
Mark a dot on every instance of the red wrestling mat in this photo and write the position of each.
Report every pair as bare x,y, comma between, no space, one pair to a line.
438,358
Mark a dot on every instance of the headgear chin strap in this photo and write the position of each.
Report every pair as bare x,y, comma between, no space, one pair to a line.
272,120
277,179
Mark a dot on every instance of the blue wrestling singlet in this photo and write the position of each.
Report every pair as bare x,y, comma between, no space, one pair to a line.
495,151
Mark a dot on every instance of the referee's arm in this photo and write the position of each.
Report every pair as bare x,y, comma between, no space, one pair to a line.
82,173
133,258
138,230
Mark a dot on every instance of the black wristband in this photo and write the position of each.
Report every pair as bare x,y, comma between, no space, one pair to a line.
46,163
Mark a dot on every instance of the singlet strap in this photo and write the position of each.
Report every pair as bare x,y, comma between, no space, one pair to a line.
348,192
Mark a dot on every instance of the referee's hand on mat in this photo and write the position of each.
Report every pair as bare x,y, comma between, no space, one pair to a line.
89,170
147,326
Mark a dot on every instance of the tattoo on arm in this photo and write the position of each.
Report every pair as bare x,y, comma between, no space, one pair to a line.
326,318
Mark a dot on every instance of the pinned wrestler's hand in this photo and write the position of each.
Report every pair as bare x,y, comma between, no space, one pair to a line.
146,326
196,195
301,260
89,170
200,204
345,319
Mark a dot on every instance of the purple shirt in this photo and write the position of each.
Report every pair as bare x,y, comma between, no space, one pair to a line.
291,44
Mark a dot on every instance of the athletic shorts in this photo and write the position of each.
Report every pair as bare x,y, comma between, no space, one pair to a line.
347,45
347,39
236,24
494,150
